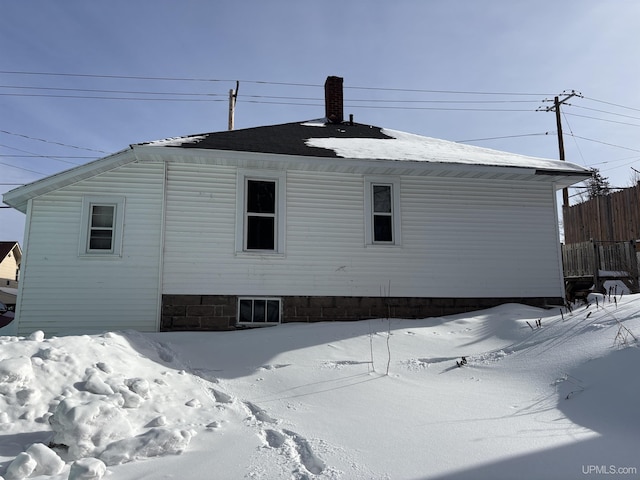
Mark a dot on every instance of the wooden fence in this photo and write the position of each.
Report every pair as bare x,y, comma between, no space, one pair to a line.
611,218
596,262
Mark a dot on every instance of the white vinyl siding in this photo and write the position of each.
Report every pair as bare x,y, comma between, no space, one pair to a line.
63,292
461,237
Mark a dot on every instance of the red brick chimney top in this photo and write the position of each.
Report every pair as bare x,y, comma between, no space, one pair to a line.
333,99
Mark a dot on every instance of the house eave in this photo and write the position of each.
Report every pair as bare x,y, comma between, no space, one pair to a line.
563,179
351,165
18,198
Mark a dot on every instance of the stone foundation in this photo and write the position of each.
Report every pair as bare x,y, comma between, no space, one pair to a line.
219,312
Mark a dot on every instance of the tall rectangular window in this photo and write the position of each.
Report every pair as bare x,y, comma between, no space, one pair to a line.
102,227
260,221
382,213
260,212
382,210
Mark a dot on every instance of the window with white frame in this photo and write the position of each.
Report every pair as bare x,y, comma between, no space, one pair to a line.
261,205
260,215
259,311
102,222
382,211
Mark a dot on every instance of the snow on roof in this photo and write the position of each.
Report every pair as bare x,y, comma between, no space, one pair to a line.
411,147
320,122
176,141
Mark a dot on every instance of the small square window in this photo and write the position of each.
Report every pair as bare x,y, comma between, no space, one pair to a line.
259,311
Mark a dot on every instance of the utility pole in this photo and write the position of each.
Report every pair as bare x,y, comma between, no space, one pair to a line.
556,108
233,96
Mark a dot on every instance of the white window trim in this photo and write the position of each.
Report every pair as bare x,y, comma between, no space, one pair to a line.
280,217
369,182
260,324
83,244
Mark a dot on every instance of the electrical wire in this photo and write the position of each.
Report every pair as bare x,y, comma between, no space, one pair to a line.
51,142
612,104
264,82
605,111
127,92
603,119
96,97
22,168
605,143
504,137
574,137
40,156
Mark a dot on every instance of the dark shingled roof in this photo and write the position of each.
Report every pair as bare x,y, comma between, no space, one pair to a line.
5,248
286,138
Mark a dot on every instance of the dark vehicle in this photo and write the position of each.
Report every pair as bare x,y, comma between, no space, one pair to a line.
6,315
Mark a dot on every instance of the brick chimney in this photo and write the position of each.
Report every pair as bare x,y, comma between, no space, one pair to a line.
333,100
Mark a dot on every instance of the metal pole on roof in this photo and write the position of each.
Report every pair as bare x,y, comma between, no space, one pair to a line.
233,96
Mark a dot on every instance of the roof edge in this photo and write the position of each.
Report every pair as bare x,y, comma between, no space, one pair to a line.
19,197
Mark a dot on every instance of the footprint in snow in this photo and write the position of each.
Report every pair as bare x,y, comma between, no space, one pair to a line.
221,397
259,414
274,367
308,459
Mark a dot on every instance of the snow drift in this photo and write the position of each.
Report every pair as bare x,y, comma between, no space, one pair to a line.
508,391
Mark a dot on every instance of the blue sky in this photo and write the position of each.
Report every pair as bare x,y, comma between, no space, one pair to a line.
407,65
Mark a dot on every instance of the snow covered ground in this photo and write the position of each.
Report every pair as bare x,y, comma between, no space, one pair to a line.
543,394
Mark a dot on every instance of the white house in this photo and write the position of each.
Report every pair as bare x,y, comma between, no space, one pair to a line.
307,221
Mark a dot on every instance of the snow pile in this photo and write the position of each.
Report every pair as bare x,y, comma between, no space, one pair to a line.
75,395
513,391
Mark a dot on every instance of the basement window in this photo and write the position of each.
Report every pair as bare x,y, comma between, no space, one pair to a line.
259,311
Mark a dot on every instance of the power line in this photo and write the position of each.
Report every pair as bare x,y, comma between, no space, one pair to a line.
22,168
504,137
605,143
96,97
612,104
123,77
51,142
127,92
449,109
574,137
33,155
375,100
603,119
265,82
40,156
457,92
605,111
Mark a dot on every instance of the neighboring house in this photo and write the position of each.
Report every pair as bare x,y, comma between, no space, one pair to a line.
300,222
10,258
